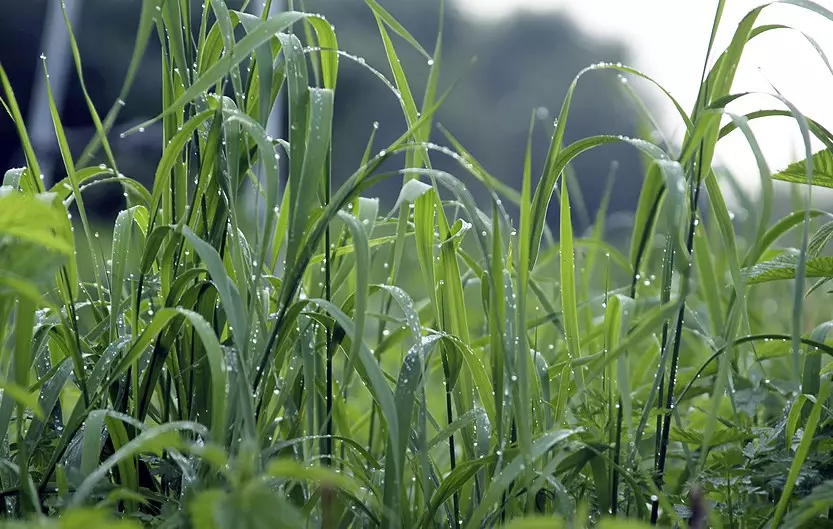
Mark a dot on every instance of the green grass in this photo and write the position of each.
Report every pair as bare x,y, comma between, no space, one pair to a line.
240,353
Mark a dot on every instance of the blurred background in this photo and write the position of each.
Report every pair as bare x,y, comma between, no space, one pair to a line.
528,52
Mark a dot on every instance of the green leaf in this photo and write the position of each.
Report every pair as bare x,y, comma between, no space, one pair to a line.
163,437
34,219
302,187
219,69
394,24
820,239
784,267
822,170
801,453
511,472
809,507
23,397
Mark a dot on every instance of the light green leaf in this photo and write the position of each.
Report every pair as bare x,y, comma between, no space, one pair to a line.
822,170
784,267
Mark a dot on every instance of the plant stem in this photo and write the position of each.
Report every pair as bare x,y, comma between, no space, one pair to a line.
452,455
675,356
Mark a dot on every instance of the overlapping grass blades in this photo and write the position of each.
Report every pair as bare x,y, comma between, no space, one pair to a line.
313,361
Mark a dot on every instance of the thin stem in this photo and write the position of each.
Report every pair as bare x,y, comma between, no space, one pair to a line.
675,356
667,275
452,455
640,254
327,497
328,441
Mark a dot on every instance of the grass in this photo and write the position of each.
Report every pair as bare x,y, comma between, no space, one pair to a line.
252,349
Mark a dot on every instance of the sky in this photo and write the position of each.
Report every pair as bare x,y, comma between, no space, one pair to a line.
668,41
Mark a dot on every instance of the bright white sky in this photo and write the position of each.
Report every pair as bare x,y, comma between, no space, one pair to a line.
668,40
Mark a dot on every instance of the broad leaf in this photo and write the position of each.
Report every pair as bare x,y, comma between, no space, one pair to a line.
784,267
822,170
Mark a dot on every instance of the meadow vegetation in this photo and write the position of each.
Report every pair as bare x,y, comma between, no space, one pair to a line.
252,346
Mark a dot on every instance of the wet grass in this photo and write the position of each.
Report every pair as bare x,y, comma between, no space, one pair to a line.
249,348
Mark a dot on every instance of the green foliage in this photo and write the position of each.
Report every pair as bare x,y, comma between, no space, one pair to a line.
822,164
248,350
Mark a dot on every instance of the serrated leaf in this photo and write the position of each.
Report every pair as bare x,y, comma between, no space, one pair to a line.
822,170
784,266
820,239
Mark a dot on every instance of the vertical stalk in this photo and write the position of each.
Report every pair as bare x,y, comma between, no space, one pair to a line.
614,482
452,455
328,441
675,355
327,497
385,309
667,273
640,254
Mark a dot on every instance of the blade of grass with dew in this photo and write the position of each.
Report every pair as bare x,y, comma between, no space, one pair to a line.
264,72
299,97
502,333
801,454
546,185
453,319
66,157
567,272
122,237
511,472
172,17
707,281
229,295
243,48
406,100
152,440
524,269
394,24
410,379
